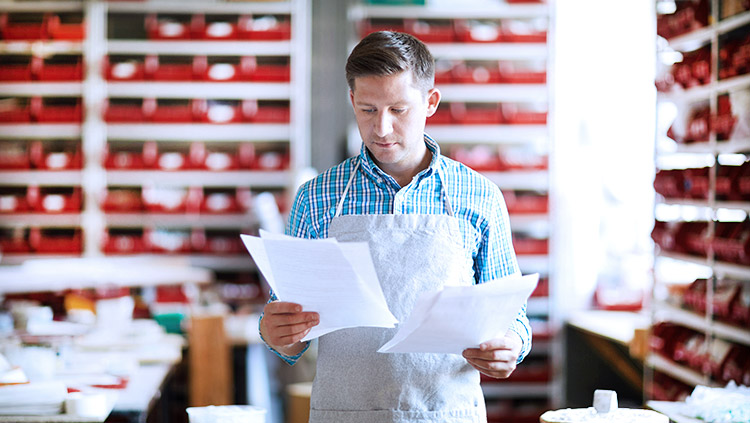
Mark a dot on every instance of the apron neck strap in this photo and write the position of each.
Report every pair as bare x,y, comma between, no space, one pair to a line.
340,205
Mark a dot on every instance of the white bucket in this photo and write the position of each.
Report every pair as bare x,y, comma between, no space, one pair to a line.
227,414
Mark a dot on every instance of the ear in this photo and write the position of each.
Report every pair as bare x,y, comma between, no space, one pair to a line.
351,97
433,100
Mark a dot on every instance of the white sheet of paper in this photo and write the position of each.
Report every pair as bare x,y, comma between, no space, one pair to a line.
459,317
337,280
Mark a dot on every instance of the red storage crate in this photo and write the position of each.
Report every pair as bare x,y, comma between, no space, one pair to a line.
123,241
55,155
56,241
741,307
128,110
270,69
442,116
18,67
517,31
530,246
271,160
696,183
267,27
480,158
478,31
731,241
14,155
72,28
14,241
15,110
57,110
266,111
216,27
218,242
444,71
692,238
61,68
220,201
123,200
542,288
524,114
476,113
519,73
131,68
171,68
526,202
22,27
175,111
219,160
477,72
13,200
221,111
172,27
55,199
432,30
726,179
223,69
725,295
166,241
172,200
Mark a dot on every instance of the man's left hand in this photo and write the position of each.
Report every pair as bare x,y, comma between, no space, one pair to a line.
497,357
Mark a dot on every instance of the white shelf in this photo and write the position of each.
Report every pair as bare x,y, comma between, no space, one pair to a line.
529,222
220,262
40,130
199,132
682,373
210,221
197,89
520,180
494,134
58,274
696,321
41,47
703,36
703,261
489,51
40,88
537,306
41,6
734,146
485,11
509,389
42,177
25,220
213,7
533,263
494,92
736,205
732,270
199,47
703,92
274,179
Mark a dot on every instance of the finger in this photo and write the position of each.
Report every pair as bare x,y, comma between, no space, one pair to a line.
490,355
291,319
497,344
276,307
493,368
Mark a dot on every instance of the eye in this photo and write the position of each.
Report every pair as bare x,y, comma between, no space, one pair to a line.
398,111
370,110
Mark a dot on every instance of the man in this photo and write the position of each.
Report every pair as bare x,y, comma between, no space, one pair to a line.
429,221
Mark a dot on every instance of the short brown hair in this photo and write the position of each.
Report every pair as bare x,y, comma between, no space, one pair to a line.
387,53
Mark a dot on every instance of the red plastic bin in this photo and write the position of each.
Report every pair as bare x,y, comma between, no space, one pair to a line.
13,200
71,29
55,156
57,110
18,67
127,110
123,241
432,30
122,200
476,113
478,31
61,68
56,241
172,27
215,27
54,199
131,68
14,155
15,110
521,115
33,27
265,27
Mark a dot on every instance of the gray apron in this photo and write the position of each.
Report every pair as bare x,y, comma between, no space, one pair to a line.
355,383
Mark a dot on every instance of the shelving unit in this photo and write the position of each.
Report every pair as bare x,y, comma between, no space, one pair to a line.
516,150
269,94
698,322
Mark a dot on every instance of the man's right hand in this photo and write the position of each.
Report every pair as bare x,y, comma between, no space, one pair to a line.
284,324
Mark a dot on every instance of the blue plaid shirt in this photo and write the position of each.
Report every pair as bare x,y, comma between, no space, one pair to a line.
476,202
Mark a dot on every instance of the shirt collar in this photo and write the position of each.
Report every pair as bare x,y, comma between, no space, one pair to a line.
379,176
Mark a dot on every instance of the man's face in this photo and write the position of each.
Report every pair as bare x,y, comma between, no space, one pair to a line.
391,112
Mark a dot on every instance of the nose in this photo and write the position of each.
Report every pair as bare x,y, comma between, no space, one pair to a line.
383,124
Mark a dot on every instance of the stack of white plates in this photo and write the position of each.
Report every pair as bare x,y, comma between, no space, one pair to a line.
34,398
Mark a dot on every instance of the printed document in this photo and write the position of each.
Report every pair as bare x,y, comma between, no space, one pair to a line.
459,317
335,279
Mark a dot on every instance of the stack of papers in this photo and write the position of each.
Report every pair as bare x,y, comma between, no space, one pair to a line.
335,279
34,398
459,317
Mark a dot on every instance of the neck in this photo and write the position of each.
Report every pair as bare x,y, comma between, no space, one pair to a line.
403,176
